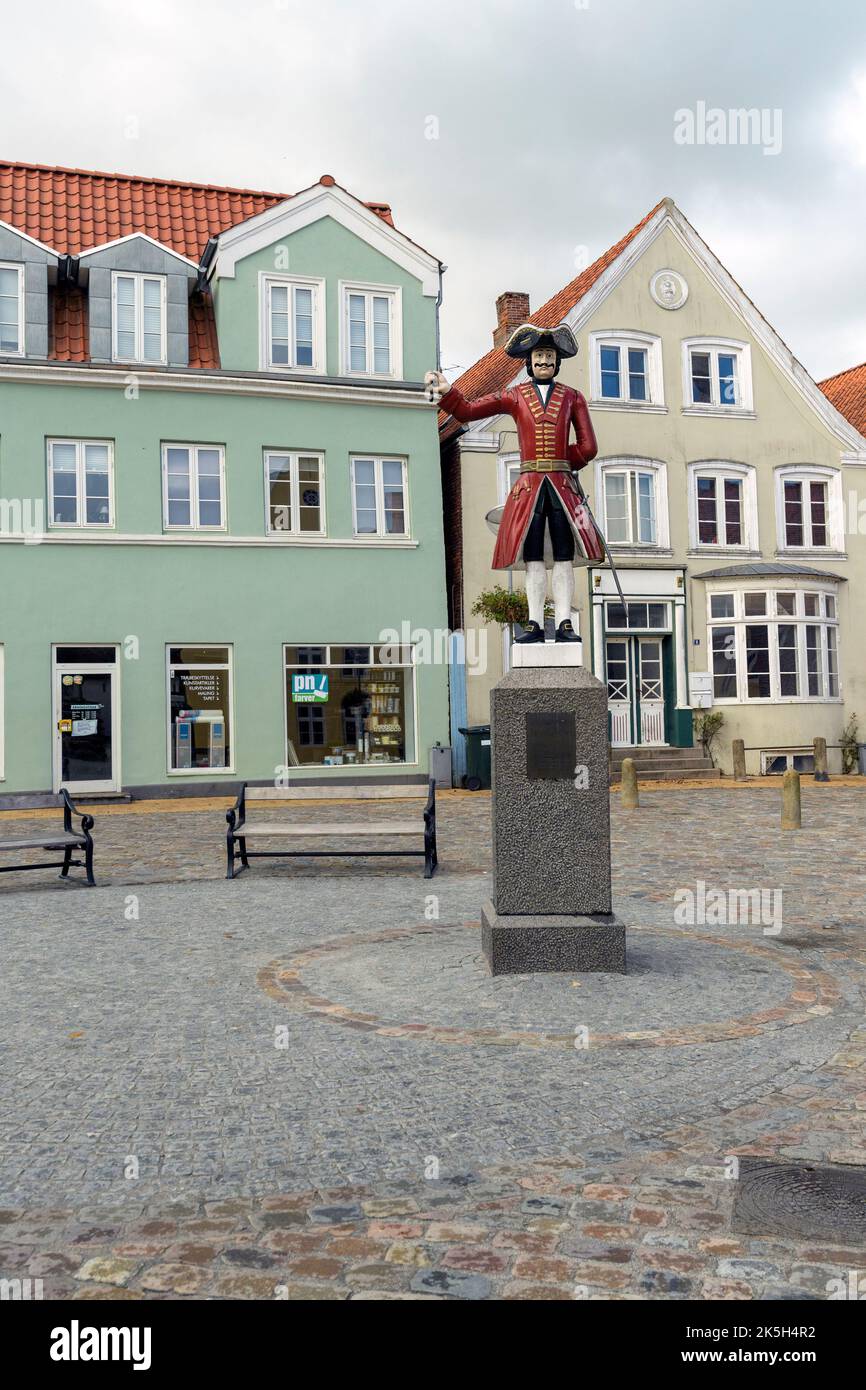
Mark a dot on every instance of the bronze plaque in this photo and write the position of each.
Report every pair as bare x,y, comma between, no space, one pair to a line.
550,747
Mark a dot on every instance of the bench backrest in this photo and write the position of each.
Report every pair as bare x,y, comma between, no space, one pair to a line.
372,792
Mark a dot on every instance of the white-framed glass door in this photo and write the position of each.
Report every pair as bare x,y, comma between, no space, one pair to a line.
85,717
650,690
619,691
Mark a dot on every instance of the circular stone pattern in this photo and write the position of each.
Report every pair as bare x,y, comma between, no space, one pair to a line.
680,989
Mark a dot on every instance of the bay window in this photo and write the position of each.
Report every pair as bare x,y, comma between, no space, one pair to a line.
784,656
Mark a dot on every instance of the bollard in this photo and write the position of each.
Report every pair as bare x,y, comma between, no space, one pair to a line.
791,817
628,789
820,747
738,748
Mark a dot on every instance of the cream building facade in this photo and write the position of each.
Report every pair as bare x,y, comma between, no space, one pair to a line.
728,487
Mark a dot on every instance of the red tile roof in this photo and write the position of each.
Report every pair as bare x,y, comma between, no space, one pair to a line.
73,210
67,318
847,391
496,369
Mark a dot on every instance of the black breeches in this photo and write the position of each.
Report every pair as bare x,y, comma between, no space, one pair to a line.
550,511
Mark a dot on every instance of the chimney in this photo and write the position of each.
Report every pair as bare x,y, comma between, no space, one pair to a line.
512,309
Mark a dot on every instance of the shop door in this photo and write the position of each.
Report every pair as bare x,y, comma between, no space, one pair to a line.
650,687
85,720
619,691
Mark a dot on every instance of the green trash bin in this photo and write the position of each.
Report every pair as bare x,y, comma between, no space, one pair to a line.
477,757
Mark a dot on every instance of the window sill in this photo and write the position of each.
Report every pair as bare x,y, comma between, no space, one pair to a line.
201,772
737,552
719,412
281,369
809,553
626,552
630,407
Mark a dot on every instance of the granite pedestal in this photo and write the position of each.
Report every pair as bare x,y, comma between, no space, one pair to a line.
551,907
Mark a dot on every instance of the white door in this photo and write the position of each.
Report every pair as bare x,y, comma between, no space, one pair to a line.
619,692
85,716
651,695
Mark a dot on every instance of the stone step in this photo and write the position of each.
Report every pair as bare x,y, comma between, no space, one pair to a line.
645,763
671,774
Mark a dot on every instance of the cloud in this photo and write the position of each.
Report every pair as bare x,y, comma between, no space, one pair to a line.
555,129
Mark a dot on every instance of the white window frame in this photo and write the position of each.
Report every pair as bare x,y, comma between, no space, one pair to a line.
395,294
194,524
508,463
377,460
267,280
294,455
632,464
772,619
22,326
329,665
742,353
805,474
625,339
200,666
746,474
81,523
139,276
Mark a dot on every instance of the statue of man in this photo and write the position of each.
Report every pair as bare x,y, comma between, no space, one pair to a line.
544,517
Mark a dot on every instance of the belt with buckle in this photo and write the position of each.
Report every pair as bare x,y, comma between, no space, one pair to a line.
545,466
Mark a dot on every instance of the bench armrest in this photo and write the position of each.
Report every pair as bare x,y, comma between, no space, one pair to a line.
70,810
238,813
430,808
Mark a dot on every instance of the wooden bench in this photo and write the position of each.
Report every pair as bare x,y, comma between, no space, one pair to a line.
240,830
67,840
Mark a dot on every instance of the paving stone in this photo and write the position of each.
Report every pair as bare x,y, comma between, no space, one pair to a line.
451,1283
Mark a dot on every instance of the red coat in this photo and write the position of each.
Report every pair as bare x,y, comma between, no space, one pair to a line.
543,433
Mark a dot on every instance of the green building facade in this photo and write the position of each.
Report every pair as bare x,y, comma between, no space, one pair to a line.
221,526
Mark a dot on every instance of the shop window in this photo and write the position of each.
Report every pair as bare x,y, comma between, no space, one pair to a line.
349,706
199,704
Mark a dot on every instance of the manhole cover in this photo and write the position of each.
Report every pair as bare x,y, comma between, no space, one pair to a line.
796,1199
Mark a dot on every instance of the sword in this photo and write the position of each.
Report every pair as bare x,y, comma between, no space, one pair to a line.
605,544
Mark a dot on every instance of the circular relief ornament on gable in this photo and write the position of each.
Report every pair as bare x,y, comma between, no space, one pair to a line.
669,289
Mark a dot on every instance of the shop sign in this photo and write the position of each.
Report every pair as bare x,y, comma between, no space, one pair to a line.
309,688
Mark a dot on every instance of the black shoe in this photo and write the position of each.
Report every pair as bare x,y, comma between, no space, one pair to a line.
532,633
565,632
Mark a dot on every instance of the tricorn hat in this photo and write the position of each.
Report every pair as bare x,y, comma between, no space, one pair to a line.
529,336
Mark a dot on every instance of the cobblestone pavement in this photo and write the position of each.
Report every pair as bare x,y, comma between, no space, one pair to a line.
304,1084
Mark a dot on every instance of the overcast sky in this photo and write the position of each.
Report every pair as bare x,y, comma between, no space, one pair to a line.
556,125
